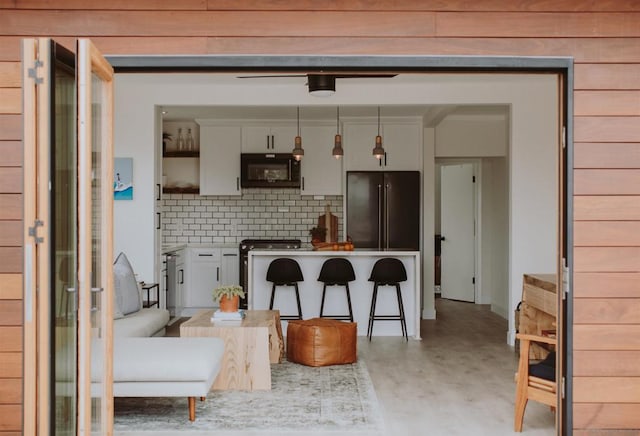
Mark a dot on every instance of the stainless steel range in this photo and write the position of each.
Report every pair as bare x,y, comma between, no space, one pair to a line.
249,244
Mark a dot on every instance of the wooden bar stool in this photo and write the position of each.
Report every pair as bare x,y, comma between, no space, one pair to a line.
336,272
285,272
387,272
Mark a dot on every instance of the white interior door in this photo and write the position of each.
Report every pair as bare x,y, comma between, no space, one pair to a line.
458,232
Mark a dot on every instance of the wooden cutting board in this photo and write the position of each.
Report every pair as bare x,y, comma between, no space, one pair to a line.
322,222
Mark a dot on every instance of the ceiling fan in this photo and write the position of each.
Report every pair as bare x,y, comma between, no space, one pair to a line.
322,85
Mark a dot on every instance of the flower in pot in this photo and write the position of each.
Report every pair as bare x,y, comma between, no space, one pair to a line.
318,234
229,297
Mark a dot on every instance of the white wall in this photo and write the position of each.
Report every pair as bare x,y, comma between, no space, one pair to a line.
428,200
471,136
472,139
495,234
532,159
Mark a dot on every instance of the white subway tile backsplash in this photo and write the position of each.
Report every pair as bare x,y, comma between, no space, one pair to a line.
273,213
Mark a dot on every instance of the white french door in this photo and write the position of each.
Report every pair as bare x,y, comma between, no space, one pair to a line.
68,177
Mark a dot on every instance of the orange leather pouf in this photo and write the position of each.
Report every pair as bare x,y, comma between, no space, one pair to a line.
321,342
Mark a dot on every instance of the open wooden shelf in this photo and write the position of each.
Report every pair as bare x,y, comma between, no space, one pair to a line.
191,190
181,154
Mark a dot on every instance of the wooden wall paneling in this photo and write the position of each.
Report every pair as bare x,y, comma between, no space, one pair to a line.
10,418
581,49
606,233
10,101
10,127
594,207
606,76
10,206
606,363
10,365
606,129
606,416
421,5
151,5
606,389
11,259
194,45
606,285
10,391
10,75
10,180
10,154
506,24
10,286
599,103
606,311
10,339
199,23
606,259
10,312
606,181
11,233
598,432
606,337
10,48
606,155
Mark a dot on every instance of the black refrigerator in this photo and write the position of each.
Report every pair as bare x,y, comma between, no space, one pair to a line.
383,209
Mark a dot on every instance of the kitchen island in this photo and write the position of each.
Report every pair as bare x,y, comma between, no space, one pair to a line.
335,302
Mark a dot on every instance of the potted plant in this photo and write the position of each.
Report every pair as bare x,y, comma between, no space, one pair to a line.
318,234
229,297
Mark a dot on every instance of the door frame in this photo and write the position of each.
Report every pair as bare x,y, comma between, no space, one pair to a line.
477,216
562,66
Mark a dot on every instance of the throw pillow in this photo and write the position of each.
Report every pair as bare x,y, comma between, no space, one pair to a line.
126,288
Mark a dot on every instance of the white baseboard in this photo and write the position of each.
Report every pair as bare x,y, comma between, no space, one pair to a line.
511,338
429,314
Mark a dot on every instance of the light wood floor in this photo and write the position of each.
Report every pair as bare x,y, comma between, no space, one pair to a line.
458,380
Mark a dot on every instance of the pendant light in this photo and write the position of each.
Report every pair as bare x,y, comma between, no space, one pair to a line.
378,150
337,145
298,151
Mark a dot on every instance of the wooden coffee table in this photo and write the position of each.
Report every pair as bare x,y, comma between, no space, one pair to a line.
250,346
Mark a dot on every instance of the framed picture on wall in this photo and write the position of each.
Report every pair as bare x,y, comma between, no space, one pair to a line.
123,178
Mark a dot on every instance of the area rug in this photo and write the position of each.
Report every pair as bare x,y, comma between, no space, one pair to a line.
334,399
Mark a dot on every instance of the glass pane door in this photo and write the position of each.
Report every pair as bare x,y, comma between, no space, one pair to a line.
63,179
95,205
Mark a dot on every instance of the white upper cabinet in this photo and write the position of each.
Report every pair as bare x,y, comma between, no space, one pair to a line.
358,141
219,159
268,138
401,139
321,172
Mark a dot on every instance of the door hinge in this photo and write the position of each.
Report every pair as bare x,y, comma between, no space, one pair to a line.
565,279
474,179
33,72
33,231
563,139
562,390
473,280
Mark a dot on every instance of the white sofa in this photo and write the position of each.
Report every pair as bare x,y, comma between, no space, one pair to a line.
162,367
146,322
146,366
130,319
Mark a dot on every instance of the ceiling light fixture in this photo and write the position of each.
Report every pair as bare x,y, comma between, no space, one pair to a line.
378,150
337,152
298,151
321,85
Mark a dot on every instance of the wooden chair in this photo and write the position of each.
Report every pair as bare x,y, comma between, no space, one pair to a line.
541,388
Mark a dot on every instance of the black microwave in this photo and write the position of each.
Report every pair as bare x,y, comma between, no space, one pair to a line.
269,170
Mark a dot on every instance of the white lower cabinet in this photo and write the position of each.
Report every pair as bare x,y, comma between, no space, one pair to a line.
203,272
206,269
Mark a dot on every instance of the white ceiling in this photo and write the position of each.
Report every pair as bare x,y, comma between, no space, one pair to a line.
432,114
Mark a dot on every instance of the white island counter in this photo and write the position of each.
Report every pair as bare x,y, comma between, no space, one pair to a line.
335,302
